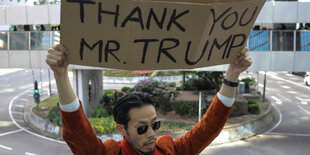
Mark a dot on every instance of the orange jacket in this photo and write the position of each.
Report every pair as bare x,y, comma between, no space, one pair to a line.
82,139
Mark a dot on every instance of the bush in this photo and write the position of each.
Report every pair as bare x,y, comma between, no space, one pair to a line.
253,108
54,116
108,100
127,90
160,90
174,127
163,102
203,80
186,107
103,125
250,81
98,112
171,84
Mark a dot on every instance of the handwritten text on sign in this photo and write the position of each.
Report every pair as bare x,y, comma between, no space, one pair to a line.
153,35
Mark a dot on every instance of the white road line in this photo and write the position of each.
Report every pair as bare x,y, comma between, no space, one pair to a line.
286,87
17,105
24,129
303,109
288,100
22,99
289,75
288,134
280,119
278,101
298,98
294,83
11,132
27,153
5,147
303,101
261,85
19,120
15,112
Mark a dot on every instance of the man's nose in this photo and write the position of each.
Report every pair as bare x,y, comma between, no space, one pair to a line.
151,132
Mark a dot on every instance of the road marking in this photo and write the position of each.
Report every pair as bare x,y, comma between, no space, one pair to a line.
286,87
298,98
292,92
288,100
22,99
27,153
261,85
288,134
294,83
278,101
303,101
19,120
18,105
280,119
11,132
5,147
24,129
303,109
15,112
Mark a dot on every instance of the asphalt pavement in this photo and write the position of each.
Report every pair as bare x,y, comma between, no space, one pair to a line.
291,135
286,92
16,138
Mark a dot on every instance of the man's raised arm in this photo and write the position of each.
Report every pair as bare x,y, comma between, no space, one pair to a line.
243,62
77,131
213,121
57,60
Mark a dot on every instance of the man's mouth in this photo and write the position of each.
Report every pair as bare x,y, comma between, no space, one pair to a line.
150,145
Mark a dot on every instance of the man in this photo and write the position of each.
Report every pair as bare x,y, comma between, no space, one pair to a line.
136,119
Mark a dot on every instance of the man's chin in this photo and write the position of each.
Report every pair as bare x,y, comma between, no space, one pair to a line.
148,151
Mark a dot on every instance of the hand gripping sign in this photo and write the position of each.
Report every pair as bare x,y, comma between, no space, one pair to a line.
144,34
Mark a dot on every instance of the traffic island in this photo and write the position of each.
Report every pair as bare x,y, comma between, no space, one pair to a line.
250,125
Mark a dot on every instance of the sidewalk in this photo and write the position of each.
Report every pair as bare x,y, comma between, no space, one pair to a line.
249,126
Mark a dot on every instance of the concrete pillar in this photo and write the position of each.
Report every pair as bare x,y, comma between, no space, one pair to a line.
82,80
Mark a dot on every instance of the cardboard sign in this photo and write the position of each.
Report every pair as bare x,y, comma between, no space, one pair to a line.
144,34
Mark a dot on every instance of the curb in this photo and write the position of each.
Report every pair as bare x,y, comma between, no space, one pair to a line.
40,125
230,133
250,128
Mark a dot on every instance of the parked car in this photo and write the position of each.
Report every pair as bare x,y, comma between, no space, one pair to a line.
307,80
299,73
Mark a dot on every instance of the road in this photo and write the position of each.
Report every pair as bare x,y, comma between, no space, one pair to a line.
287,93
15,135
291,135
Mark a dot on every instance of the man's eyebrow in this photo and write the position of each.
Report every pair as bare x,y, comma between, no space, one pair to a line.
144,122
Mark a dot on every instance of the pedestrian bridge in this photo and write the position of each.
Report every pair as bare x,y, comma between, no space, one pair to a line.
271,50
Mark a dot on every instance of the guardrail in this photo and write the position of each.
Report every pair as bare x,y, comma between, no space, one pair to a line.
259,40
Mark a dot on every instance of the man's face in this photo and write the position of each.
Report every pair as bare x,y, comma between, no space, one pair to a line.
145,115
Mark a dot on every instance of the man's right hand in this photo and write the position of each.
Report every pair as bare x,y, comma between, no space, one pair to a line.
57,59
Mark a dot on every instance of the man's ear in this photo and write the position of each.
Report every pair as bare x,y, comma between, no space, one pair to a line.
121,129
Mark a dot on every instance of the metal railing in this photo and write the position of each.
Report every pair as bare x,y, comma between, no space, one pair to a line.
30,40
259,40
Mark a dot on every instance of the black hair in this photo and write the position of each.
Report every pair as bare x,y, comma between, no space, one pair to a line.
129,101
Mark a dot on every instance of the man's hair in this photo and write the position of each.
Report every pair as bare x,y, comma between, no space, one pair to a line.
129,101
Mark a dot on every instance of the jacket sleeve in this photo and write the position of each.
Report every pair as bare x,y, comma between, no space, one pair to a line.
79,134
204,132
